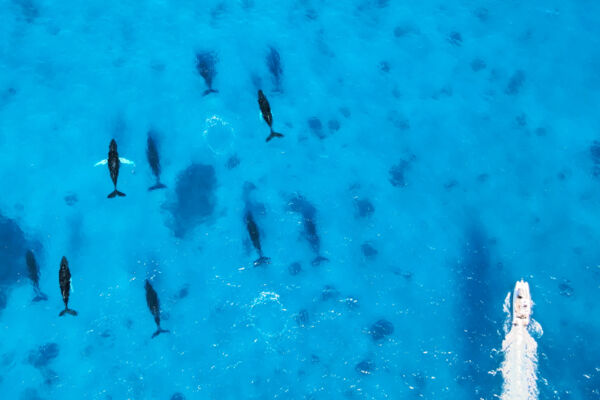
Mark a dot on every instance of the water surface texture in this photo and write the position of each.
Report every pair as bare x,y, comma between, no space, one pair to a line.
434,152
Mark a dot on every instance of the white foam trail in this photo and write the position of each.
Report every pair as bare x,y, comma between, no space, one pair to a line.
519,368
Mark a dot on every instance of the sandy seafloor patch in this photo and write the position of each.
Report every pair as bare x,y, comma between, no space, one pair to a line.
463,129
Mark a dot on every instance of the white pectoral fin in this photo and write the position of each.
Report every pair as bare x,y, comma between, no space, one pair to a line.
126,161
71,283
102,162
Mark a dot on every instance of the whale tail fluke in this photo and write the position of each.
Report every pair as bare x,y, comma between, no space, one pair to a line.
68,311
39,296
158,332
157,186
261,260
209,91
116,193
274,135
319,259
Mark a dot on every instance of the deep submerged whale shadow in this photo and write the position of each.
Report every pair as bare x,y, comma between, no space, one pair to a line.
273,61
206,62
195,199
300,205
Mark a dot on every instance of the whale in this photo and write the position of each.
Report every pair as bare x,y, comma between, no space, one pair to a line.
34,275
154,161
205,65
154,307
308,212
265,110
64,280
114,165
255,238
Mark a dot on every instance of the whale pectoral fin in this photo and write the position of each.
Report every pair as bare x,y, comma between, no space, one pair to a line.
126,161
103,162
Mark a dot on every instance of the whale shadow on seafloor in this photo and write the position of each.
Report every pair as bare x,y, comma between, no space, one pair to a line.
195,199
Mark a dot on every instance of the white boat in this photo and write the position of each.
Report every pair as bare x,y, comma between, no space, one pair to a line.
521,304
519,368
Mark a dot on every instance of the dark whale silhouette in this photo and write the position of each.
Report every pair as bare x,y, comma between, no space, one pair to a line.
154,161
300,205
274,65
205,65
265,109
154,307
34,275
64,279
252,208
255,238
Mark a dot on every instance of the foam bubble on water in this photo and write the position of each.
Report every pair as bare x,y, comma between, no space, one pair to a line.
268,316
219,135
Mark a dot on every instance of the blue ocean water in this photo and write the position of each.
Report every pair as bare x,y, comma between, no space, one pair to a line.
434,153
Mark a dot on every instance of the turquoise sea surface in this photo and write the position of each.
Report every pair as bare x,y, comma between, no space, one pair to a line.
434,152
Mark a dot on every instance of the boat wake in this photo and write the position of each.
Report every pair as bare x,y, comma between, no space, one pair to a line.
519,368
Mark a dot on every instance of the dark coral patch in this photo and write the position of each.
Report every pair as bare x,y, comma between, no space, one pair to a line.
381,329
43,355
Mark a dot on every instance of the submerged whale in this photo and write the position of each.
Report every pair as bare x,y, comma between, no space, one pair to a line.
255,238
154,161
205,65
250,209
274,64
34,275
300,205
154,307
